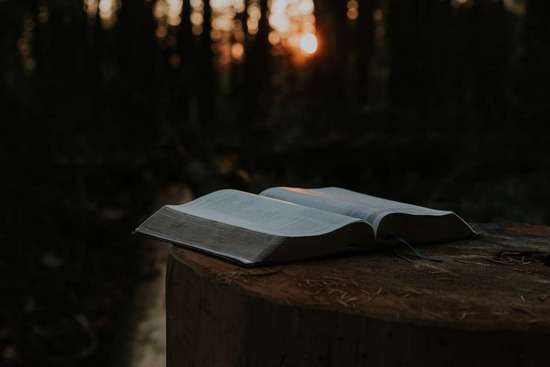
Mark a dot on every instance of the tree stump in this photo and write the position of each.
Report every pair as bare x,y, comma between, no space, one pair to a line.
487,302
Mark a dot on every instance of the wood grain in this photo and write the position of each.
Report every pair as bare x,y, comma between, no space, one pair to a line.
486,302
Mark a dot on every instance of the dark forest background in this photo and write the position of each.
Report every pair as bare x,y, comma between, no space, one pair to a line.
106,114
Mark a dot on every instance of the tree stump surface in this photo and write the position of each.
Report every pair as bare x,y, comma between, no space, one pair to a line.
487,301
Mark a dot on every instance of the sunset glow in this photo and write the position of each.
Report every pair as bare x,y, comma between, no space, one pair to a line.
107,12
168,14
227,33
293,24
308,43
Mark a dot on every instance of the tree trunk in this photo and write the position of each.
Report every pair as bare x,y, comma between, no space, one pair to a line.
487,303
536,61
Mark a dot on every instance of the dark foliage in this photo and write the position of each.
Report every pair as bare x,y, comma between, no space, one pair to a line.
442,103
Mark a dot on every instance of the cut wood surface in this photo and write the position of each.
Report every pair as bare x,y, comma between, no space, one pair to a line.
485,301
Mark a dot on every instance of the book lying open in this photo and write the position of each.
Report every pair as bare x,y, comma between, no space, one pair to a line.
285,224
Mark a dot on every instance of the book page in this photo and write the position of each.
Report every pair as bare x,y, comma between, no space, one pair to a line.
263,214
346,202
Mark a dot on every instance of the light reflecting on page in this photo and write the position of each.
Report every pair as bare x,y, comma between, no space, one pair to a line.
263,214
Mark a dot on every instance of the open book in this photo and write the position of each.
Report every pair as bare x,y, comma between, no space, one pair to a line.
284,224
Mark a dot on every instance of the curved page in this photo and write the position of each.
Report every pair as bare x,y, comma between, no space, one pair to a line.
263,214
366,207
